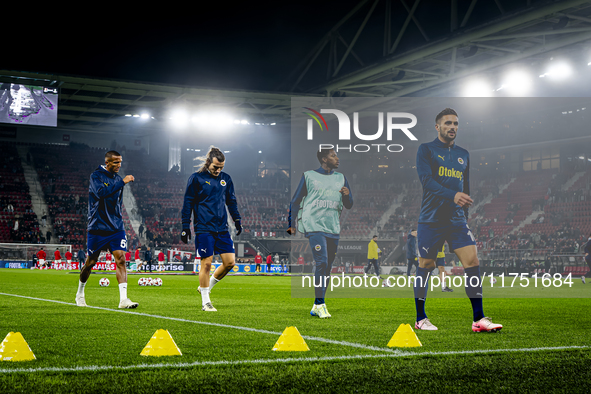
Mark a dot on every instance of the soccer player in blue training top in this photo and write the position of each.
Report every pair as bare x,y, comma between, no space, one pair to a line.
105,225
443,169
411,251
209,191
316,206
587,258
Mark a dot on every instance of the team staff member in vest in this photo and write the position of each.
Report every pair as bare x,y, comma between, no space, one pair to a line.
373,253
316,206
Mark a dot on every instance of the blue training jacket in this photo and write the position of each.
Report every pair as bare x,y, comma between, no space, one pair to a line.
411,247
206,198
105,195
443,171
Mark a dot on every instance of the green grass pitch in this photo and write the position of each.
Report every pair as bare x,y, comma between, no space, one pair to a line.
544,345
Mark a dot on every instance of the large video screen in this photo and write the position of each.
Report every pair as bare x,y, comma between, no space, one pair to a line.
28,104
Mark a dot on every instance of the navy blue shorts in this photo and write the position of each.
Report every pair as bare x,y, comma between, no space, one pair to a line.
431,238
208,244
440,261
324,249
96,243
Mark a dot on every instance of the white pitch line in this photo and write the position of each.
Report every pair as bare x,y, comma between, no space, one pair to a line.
307,337
398,354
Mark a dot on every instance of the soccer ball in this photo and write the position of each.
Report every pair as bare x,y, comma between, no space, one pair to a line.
157,282
150,282
493,280
142,282
385,283
104,282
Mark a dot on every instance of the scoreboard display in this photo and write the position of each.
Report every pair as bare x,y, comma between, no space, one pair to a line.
28,104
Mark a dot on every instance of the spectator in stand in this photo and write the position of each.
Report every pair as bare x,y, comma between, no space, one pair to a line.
69,260
301,260
57,259
41,255
269,261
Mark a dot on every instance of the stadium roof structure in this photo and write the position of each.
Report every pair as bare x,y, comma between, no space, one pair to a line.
477,36
100,103
358,57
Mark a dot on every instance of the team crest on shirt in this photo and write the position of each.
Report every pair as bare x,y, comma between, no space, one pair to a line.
223,183
318,247
460,160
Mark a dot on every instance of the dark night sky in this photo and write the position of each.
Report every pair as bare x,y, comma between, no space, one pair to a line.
249,45
246,46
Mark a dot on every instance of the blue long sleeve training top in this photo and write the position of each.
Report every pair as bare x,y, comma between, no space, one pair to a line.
105,194
443,172
206,197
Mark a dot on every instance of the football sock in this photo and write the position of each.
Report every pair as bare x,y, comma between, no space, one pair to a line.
81,286
122,291
212,282
205,295
420,290
474,291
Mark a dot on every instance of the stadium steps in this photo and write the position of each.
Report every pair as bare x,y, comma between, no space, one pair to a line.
488,199
573,180
528,220
259,247
36,192
389,212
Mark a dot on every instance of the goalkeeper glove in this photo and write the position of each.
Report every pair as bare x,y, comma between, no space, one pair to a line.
238,227
185,235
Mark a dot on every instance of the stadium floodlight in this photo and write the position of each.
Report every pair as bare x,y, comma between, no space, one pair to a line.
244,121
145,116
136,116
220,119
516,83
477,88
179,118
128,115
558,71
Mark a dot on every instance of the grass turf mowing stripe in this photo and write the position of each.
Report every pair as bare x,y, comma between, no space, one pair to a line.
395,354
306,337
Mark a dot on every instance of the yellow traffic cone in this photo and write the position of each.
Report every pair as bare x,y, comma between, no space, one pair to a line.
161,344
291,341
15,348
404,337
